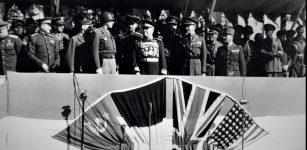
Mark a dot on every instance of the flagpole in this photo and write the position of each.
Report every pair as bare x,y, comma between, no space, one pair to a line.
243,102
150,112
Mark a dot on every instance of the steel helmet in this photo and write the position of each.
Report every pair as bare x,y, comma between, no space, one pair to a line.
107,16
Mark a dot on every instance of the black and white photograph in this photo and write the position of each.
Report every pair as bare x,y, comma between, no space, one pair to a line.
152,75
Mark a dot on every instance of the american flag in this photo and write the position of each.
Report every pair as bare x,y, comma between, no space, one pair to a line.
228,134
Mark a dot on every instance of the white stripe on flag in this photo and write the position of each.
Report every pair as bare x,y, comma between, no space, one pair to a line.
205,119
250,136
190,102
180,107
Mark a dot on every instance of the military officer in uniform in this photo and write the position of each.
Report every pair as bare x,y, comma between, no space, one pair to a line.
104,47
297,53
127,44
272,51
230,59
63,39
247,44
10,46
173,49
212,45
150,55
43,48
195,50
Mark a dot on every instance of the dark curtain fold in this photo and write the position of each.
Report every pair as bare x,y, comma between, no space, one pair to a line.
232,17
134,105
258,16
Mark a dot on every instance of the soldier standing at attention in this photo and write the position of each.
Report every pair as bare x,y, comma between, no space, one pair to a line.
43,48
230,59
63,39
297,51
104,47
150,55
212,45
272,51
127,44
195,50
10,46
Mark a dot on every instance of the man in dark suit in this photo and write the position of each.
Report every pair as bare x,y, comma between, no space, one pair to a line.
230,59
79,57
126,44
43,48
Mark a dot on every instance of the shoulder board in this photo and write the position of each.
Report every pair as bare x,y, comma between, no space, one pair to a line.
13,36
158,39
51,35
66,35
34,34
137,34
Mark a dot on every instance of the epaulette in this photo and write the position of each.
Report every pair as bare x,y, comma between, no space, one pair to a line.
139,35
51,35
34,34
13,36
158,39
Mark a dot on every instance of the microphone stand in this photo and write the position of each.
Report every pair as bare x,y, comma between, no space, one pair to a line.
122,127
243,102
83,98
150,112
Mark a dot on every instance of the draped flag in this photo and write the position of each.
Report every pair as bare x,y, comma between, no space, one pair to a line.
137,119
228,134
195,109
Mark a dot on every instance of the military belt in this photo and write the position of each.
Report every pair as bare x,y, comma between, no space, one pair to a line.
149,59
107,55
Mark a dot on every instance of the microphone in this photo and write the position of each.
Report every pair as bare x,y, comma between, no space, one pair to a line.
83,95
66,111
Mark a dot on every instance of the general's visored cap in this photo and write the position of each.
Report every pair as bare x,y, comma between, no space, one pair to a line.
172,20
269,27
229,31
190,21
44,20
58,21
148,23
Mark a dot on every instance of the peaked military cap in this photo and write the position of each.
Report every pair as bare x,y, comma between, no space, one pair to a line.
190,21
172,20
148,23
58,21
214,29
44,20
269,27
